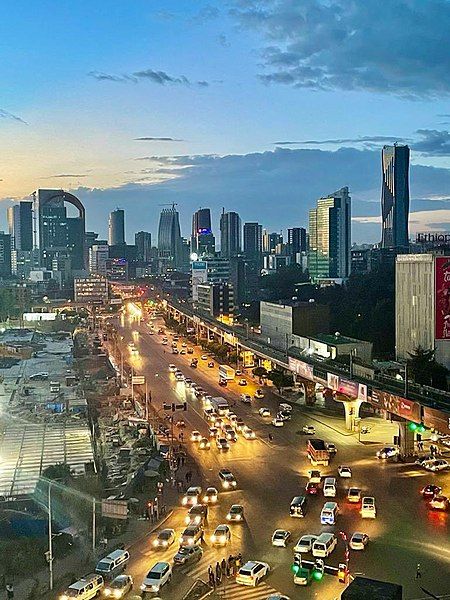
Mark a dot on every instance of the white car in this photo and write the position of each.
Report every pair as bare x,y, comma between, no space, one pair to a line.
359,541
246,398
344,471
172,368
280,537
242,381
221,535
264,412
227,479
285,407
368,508
354,495
204,357
236,513
259,393
309,430
277,422
222,444
252,572
157,577
164,538
305,543
248,433
211,495
192,496
437,464
196,436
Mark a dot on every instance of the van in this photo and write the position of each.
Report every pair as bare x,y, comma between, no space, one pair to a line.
298,506
113,564
368,508
329,487
324,545
85,588
329,513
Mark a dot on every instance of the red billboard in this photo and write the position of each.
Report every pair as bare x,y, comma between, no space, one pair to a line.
397,405
436,419
442,297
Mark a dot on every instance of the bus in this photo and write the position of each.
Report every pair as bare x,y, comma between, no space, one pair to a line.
226,372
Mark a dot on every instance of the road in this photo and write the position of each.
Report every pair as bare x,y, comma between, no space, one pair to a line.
270,474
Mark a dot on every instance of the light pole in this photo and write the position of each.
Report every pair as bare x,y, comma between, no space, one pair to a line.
50,535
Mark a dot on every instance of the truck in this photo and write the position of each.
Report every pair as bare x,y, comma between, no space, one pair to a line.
318,452
226,372
220,405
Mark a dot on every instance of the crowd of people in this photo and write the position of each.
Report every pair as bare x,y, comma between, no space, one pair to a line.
225,569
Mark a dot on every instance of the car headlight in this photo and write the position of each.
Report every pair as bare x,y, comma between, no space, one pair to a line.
234,484
64,597
238,517
186,520
190,541
222,539
184,501
213,538
226,484
118,593
228,516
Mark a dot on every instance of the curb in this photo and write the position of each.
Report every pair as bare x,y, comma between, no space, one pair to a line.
151,530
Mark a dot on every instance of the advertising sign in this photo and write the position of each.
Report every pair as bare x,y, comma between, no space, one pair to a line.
442,297
436,419
199,275
301,368
397,405
333,381
116,509
138,380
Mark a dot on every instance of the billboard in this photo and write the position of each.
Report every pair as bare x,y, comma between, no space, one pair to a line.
436,419
115,509
199,275
347,387
442,297
301,368
397,405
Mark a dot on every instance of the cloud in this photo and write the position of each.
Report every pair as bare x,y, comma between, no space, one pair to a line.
4,114
207,13
374,139
223,40
158,77
100,76
157,139
433,143
64,175
395,48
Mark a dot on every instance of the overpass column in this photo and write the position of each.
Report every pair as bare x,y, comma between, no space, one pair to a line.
406,439
351,408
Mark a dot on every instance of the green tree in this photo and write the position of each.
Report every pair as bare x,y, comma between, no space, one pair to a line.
260,372
425,370
280,379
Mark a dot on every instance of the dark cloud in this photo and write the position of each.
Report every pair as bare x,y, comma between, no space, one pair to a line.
433,143
4,114
158,77
397,47
372,139
64,175
100,76
157,139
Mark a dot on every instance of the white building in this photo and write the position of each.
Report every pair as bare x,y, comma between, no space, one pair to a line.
98,255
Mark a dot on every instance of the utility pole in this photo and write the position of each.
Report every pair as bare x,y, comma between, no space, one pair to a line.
93,525
50,535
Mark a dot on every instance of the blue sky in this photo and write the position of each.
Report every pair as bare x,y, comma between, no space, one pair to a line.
82,80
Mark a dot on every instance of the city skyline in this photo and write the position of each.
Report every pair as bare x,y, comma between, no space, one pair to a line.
132,145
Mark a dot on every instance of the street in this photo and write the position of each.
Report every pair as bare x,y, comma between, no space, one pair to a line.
270,473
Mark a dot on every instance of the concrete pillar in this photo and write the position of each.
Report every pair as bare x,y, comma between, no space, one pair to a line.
406,439
351,408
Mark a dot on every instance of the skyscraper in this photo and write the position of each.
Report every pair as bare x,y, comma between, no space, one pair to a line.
253,241
143,243
202,238
230,234
297,240
169,238
330,237
116,227
395,196
5,254
20,224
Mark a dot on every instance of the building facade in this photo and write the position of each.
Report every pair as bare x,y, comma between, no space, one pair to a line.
216,299
169,239
98,256
230,234
91,290
202,238
116,227
143,243
253,241
296,240
20,225
395,196
5,254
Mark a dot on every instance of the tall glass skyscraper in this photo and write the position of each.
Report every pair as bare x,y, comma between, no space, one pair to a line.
202,238
230,234
116,227
395,196
253,241
169,239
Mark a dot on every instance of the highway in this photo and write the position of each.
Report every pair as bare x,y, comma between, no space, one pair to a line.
271,473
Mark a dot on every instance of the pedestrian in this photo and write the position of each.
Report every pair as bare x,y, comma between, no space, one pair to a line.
202,536
223,566
238,562
211,578
9,591
418,573
230,566
270,437
218,573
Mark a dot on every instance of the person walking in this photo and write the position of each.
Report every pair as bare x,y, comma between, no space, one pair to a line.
238,562
223,567
9,591
418,572
230,566
218,574
211,578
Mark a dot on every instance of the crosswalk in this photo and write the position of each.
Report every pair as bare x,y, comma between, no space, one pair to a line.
234,591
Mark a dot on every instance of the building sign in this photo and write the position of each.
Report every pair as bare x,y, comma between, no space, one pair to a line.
248,358
333,381
397,405
39,316
347,387
115,509
301,368
436,419
437,238
138,380
442,297
199,275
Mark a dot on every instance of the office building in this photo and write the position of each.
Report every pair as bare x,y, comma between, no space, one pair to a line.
116,227
395,196
422,305
91,290
216,299
23,262
5,254
20,224
117,269
209,270
202,238
296,240
230,234
169,239
98,256
270,241
143,243
253,241
330,237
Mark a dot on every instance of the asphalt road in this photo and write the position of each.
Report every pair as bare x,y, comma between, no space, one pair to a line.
270,474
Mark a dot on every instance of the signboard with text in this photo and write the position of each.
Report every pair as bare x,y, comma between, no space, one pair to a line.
347,387
397,405
442,297
436,419
138,380
115,509
301,368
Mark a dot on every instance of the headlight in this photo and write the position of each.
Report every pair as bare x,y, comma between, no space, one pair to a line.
186,520
190,541
107,591
213,538
228,516
155,542
118,593
184,501
197,520
238,517
226,484
222,539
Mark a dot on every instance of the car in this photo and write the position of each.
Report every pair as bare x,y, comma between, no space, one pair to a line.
259,393
248,433
188,382
445,441
221,535
204,444
430,491
164,538
264,412
227,428
312,488
184,345
231,436
222,444
277,422
211,364
354,495
164,342
157,577
344,471
182,351
194,364
252,572
281,537
239,424
227,479
223,382
387,452
196,436
211,495
192,496
199,391
119,586
305,543
238,372
439,503
246,398
236,513
219,423
180,424
204,357
188,554
175,351
232,417
242,382
359,541
423,459
172,368
331,448
197,515
284,407
314,476
179,376
213,431
284,415
192,535
190,350
438,464
368,508
309,430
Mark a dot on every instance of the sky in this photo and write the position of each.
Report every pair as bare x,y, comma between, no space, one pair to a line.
257,106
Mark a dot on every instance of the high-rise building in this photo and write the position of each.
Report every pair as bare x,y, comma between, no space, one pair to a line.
230,234
395,196
116,227
98,256
330,237
217,299
5,254
270,241
202,238
169,239
253,241
20,224
297,240
143,243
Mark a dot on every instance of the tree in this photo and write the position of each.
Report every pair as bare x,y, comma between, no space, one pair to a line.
259,372
280,379
425,370
59,472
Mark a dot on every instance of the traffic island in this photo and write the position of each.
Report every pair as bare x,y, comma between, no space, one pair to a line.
198,591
